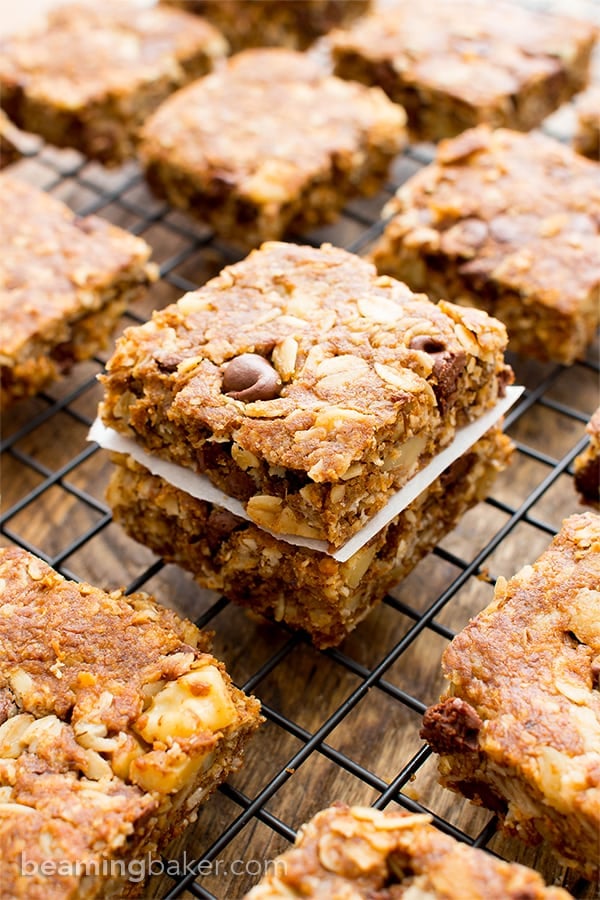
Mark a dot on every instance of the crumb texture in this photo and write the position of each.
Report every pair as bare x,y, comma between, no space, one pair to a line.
507,222
374,380
115,722
64,281
454,65
519,727
361,852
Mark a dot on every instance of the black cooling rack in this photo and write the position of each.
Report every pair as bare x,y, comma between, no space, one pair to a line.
358,699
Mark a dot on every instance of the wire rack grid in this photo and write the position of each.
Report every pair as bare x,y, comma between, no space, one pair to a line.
341,724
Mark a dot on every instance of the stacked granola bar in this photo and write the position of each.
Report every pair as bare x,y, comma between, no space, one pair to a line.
308,391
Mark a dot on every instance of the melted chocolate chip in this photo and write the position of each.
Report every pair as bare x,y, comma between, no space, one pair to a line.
596,673
505,376
167,362
451,726
221,523
447,368
250,377
427,344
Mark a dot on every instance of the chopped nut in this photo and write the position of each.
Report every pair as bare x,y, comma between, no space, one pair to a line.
195,703
284,357
403,379
354,568
244,458
379,309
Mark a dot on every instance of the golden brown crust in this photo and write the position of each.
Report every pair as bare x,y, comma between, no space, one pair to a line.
507,222
375,380
519,730
91,74
277,23
115,721
269,143
454,65
360,853
63,283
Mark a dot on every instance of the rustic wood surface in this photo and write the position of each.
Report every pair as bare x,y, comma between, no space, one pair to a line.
378,732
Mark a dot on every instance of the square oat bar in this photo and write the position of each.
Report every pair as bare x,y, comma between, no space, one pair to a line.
361,853
454,64
275,23
509,223
304,385
64,282
116,722
518,730
587,136
270,143
91,75
310,390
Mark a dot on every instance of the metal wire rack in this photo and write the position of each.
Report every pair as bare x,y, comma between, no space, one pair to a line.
341,724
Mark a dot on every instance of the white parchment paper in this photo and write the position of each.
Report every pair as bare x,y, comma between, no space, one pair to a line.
202,488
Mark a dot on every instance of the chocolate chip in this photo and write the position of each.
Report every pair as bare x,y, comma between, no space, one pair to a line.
221,523
483,795
167,362
587,481
457,470
427,344
250,377
447,368
451,726
505,376
596,672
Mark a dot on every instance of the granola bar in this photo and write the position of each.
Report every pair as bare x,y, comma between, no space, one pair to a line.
587,464
587,137
64,282
509,223
116,722
270,143
304,588
304,385
275,23
454,64
518,729
92,73
360,852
